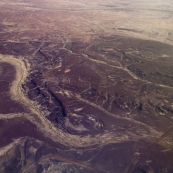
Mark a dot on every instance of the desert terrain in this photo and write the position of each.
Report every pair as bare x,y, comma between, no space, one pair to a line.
86,86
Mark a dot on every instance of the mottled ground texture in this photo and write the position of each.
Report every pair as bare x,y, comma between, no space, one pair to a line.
86,86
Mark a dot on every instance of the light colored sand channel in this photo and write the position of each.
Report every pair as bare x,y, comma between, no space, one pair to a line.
37,117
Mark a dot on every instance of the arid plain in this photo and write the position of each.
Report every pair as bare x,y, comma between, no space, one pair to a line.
86,86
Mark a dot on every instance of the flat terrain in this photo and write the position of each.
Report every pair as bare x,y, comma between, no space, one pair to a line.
86,87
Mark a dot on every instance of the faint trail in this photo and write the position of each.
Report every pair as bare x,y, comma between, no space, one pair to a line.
41,45
128,71
134,76
136,160
81,164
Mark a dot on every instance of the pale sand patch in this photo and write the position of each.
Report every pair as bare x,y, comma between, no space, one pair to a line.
67,70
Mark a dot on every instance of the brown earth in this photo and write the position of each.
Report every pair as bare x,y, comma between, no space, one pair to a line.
86,86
